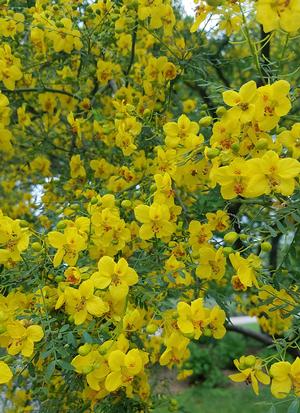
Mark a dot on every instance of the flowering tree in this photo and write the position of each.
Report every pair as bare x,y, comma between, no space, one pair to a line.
149,190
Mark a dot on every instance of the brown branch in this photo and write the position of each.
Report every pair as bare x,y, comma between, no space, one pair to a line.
261,337
203,93
40,90
264,56
132,54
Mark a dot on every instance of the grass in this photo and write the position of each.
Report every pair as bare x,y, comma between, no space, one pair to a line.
236,399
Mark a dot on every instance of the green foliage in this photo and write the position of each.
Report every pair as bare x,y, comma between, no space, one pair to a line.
211,357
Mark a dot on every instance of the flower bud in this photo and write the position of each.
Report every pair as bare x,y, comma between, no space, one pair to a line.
231,237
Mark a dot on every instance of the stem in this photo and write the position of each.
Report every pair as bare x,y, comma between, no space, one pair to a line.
252,46
261,337
134,35
40,90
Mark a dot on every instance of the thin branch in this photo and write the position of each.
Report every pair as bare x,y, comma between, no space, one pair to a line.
203,93
265,56
134,34
261,337
40,90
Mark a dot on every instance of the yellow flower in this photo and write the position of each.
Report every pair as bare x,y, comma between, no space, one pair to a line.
82,302
77,167
22,338
275,14
75,128
128,129
11,25
272,103
226,133
215,325
107,71
233,179
5,373
246,268
243,102
211,263
94,366
13,241
202,11
41,164
124,43
230,23
73,275
200,234
155,220
123,368
189,105
164,193
281,379
218,221
117,276
291,139
169,71
10,71
65,38
285,376
176,351
272,174
183,132
250,369
166,161
192,319
68,245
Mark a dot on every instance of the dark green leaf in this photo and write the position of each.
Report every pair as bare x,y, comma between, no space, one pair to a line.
50,369
65,365
294,406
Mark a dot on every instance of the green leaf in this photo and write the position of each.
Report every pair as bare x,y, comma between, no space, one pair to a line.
296,217
65,365
87,338
271,230
47,353
50,369
294,406
71,339
278,307
281,227
31,369
64,328
272,409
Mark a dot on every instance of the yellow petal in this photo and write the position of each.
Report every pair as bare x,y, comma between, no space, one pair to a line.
116,360
238,377
113,381
27,348
231,97
185,326
96,306
146,232
100,281
142,213
5,373
106,266
35,333
80,316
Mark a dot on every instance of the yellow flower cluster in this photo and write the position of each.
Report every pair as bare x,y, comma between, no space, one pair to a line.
134,207
112,365
10,67
13,240
283,375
